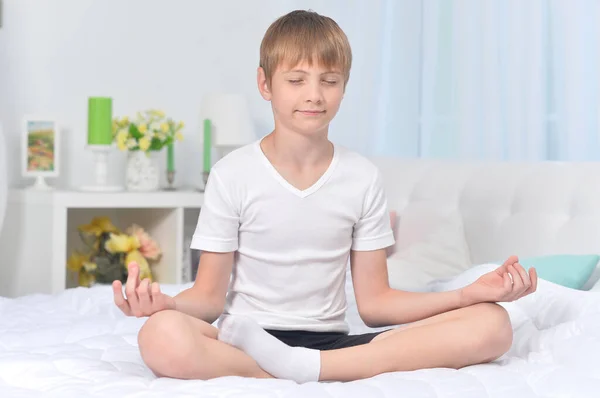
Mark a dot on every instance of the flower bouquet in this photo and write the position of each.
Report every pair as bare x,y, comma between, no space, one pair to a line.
108,251
151,130
143,138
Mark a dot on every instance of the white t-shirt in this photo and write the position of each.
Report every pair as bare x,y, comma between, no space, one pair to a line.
292,246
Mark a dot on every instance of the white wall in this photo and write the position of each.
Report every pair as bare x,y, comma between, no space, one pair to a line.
158,53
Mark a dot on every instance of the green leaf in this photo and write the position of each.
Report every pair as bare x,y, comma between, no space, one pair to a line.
155,144
135,133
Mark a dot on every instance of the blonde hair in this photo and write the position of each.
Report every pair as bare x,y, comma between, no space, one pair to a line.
303,36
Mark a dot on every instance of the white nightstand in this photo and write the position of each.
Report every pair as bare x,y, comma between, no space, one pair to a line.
40,232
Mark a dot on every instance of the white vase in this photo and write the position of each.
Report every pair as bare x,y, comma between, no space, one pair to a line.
142,171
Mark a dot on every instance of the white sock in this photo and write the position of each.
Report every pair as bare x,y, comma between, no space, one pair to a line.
272,355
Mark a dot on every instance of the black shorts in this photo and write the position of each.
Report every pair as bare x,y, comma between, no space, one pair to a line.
322,341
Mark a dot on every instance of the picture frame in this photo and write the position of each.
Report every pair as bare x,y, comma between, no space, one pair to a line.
40,148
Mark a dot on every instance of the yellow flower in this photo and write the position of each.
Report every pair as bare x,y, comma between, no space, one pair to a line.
89,266
180,125
121,243
76,261
86,279
131,143
136,256
156,113
164,127
143,128
144,143
98,226
125,121
122,139
179,137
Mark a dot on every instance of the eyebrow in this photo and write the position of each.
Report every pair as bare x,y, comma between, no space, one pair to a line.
306,73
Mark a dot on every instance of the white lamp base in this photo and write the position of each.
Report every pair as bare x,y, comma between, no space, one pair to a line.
101,171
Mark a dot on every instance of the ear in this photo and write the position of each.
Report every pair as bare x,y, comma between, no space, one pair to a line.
263,84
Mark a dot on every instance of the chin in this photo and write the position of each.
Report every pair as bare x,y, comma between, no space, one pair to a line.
311,126
311,129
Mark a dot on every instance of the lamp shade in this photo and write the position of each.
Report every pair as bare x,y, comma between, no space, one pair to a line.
230,118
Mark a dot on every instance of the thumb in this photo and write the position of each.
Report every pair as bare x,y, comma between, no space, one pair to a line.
160,299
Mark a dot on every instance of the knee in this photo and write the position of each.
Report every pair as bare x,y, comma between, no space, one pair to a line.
495,335
165,342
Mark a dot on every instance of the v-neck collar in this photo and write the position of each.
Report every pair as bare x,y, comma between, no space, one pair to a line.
302,193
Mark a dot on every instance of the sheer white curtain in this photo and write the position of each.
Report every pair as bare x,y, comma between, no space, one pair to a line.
483,92
574,79
493,79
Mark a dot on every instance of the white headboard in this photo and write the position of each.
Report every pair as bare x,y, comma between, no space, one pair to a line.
527,209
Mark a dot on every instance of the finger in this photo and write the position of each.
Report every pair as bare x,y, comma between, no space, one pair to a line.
533,278
517,282
143,293
504,267
158,298
524,276
132,277
120,299
131,286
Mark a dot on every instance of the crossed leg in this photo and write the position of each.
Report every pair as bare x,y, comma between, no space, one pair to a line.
176,345
467,336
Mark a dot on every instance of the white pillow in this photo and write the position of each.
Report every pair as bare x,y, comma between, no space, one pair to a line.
595,287
429,247
594,281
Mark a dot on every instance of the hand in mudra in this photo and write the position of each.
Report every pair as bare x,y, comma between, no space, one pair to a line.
509,282
143,298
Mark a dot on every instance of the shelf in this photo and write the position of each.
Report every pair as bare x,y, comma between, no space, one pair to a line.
79,199
40,233
163,225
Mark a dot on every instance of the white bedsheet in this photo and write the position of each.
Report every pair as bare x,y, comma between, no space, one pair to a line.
77,344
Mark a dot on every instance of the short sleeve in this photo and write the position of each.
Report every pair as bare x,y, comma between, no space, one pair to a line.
373,231
218,222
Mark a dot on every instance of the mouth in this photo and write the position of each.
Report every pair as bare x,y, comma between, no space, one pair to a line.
311,112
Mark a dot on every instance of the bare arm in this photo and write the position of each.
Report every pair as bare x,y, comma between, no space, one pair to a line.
206,298
380,305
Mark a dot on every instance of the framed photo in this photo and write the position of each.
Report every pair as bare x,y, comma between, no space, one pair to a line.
40,147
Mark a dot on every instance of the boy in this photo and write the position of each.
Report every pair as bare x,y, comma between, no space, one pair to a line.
282,216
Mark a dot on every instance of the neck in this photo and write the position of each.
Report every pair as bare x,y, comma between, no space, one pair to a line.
292,148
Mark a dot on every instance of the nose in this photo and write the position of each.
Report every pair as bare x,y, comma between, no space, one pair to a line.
314,92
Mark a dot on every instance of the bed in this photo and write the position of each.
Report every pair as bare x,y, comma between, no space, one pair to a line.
456,221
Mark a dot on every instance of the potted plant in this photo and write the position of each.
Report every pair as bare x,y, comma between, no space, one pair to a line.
143,138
